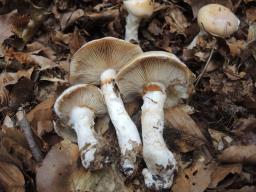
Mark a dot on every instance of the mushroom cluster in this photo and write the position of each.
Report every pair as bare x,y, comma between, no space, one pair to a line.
122,68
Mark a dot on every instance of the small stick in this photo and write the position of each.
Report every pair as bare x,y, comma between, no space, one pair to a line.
205,67
25,126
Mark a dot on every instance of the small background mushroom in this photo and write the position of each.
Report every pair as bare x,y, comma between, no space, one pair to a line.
217,20
137,10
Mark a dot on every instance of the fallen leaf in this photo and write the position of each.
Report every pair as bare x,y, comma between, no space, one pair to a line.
251,14
195,178
178,119
76,41
19,152
21,93
11,178
239,154
6,28
41,116
62,171
232,73
236,46
176,20
38,48
29,59
10,79
221,171
220,139
243,189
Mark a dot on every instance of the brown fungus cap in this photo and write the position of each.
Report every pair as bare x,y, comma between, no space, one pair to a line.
155,66
217,20
81,95
96,56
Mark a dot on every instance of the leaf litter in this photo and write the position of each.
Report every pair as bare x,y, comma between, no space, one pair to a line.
214,143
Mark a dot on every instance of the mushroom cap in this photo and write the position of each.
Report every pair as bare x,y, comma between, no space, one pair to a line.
96,56
81,95
155,66
217,20
140,8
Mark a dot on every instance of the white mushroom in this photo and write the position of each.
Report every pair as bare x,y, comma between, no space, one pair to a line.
152,75
79,105
97,62
217,20
137,9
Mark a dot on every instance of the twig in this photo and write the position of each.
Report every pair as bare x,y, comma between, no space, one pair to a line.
205,67
25,126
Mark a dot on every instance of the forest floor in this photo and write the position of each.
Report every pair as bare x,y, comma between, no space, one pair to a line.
215,145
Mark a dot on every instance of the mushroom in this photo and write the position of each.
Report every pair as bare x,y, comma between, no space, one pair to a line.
78,105
217,20
153,75
97,62
137,9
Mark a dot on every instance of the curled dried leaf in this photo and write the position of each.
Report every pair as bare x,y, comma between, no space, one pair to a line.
11,177
239,154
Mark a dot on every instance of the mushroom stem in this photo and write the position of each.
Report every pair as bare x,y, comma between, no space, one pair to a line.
194,41
82,120
132,27
126,131
160,161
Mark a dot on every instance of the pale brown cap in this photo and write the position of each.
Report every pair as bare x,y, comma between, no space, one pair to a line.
217,20
96,56
81,95
140,8
155,66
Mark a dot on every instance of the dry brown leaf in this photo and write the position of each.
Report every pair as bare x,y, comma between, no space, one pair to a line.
16,135
59,38
76,41
155,27
21,93
18,151
195,178
251,14
220,140
244,130
178,119
6,28
41,116
222,171
69,18
232,73
29,59
239,154
62,171
11,178
176,21
243,189
37,47
236,46
10,79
